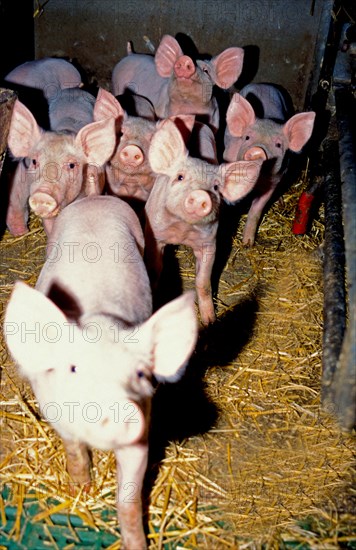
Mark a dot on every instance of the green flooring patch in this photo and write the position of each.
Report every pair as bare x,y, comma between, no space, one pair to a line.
68,531
63,530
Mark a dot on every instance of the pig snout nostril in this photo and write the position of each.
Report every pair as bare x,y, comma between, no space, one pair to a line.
255,153
43,204
131,155
198,203
184,67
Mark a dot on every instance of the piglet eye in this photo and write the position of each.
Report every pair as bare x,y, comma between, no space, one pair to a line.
71,165
180,177
140,374
247,138
73,368
34,162
278,144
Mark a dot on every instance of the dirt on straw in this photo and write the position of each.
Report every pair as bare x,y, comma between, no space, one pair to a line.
243,455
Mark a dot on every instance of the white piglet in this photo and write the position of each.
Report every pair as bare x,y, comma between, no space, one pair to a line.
98,348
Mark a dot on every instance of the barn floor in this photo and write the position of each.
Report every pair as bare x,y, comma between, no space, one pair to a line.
243,456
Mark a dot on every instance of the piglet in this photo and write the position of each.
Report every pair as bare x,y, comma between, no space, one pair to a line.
56,168
174,83
183,207
97,348
71,110
129,173
50,74
39,81
266,139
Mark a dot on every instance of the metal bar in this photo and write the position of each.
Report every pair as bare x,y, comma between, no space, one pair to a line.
339,342
334,274
345,381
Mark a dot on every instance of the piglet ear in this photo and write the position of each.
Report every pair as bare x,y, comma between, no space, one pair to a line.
167,54
107,106
298,130
239,116
173,332
97,140
167,149
228,66
33,329
238,179
24,132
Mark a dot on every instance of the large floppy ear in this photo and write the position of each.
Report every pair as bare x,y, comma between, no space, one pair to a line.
238,178
228,66
97,140
171,334
33,327
107,106
167,149
298,130
24,132
167,54
239,116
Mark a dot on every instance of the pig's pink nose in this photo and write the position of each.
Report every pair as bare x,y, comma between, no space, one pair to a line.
198,203
255,153
43,204
184,67
131,155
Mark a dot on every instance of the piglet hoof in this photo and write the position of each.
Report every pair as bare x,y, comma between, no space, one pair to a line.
75,488
207,317
16,224
17,230
248,240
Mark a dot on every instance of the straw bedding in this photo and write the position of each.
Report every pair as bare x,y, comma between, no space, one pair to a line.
242,454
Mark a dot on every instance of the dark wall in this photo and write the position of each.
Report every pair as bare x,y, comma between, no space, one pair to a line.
16,34
283,39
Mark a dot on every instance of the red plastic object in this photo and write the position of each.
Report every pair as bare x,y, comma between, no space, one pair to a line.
301,219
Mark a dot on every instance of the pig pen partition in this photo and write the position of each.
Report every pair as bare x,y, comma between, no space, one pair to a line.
244,451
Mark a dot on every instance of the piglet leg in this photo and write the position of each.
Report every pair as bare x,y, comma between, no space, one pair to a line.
131,468
205,256
78,465
17,211
153,256
48,225
254,216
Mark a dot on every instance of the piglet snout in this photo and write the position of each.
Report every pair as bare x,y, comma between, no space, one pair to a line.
184,67
43,204
255,153
198,203
131,156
